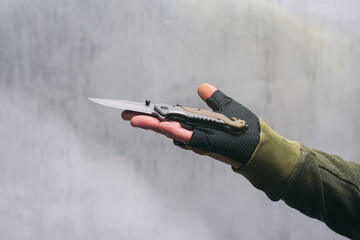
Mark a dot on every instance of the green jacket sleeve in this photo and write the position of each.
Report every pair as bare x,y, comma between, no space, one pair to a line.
318,184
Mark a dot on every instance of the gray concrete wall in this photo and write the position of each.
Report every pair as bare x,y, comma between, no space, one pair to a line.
71,169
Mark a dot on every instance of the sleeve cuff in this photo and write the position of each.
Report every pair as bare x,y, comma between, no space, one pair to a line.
273,161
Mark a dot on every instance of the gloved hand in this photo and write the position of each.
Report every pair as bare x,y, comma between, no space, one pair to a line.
235,150
223,145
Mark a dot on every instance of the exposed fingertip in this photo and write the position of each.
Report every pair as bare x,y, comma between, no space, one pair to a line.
205,91
145,122
137,121
134,122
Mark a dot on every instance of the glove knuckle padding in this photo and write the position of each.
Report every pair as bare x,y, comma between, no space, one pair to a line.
237,147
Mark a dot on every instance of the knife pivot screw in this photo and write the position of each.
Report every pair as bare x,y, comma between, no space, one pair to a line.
164,107
147,102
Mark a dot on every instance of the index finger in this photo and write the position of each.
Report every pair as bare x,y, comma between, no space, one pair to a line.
173,130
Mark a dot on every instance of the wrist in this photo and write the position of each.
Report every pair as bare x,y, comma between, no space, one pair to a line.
273,161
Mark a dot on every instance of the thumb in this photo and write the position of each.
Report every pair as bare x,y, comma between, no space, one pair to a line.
205,91
213,97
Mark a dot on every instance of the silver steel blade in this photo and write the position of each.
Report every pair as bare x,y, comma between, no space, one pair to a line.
125,105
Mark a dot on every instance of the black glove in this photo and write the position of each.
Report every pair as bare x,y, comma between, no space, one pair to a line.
236,147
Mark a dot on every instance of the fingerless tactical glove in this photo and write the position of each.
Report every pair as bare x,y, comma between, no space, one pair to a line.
236,147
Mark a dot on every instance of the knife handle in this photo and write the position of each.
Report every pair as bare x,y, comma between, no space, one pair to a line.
233,122
199,117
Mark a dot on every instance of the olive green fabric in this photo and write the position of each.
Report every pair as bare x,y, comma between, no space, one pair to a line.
273,161
318,184
327,188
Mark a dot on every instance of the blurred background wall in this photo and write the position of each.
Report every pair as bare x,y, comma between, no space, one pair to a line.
71,169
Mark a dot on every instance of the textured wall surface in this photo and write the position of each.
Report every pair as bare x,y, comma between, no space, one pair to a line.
71,169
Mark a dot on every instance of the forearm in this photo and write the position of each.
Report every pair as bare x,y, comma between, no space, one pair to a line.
317,184
326,187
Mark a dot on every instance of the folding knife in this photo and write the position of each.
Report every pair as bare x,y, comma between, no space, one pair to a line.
178,113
